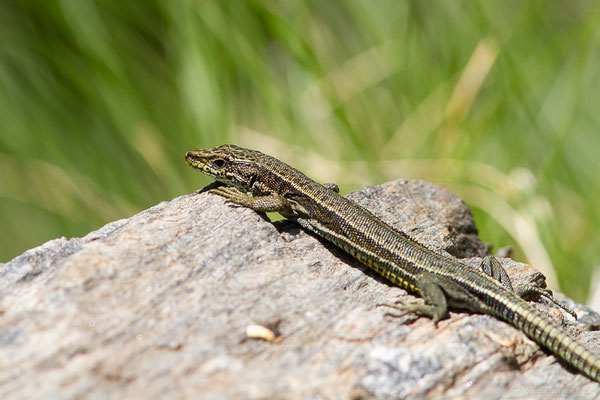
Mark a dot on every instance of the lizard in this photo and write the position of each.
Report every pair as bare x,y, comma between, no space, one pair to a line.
263,183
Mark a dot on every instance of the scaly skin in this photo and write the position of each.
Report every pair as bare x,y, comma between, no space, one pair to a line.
265,184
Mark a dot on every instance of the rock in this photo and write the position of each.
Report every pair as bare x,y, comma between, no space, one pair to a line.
157,306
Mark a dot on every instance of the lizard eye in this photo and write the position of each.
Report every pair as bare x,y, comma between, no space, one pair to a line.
219,163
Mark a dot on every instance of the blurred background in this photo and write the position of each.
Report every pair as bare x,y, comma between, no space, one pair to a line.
499,101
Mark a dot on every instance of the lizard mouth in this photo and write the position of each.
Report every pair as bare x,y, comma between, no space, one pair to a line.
194,159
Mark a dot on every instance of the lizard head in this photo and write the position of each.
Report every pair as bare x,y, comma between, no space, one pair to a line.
227,163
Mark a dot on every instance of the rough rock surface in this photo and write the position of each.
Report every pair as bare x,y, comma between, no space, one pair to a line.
156,306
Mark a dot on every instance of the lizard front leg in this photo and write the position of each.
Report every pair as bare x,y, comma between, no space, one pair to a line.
269,203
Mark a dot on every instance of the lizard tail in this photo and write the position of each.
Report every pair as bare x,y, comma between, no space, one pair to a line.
551,336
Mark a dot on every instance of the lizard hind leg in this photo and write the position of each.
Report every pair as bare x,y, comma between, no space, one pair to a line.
436,305
492,267
526,291
439,293
332,186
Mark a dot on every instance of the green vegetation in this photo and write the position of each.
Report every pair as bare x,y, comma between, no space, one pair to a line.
496,100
